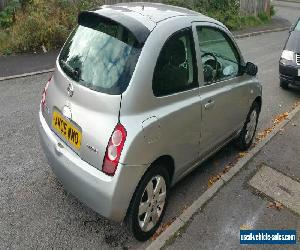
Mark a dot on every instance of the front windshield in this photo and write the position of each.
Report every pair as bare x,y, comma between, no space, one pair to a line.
100,56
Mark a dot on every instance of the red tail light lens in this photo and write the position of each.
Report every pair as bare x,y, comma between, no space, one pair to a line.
44,94
114,150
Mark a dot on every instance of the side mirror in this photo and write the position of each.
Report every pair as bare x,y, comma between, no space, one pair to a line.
251,69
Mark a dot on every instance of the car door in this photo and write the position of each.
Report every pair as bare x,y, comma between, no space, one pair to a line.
223,93
176,88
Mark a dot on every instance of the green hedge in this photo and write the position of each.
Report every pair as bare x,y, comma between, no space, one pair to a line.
226,11
29,25
40,23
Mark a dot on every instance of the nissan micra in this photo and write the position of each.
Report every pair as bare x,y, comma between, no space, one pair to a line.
141,95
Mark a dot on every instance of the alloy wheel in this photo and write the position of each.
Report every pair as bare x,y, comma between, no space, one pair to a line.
152,203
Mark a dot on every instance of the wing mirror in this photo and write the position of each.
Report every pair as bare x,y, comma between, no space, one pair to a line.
251,69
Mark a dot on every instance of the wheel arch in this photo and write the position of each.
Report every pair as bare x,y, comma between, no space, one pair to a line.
258,100
167,162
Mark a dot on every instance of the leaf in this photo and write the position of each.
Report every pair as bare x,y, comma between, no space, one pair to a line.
245,227
278,205
280,118
275,204
213,180
277,120
242,154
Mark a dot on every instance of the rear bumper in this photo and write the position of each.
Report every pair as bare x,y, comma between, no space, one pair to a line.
109,196
289,73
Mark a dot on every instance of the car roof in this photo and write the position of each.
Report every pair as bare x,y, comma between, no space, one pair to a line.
152,13
157,12
141,18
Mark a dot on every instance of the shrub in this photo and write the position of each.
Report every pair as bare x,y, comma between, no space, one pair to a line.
7,16
272,11
226,11
44,23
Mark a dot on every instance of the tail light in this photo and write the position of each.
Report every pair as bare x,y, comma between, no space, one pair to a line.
114,150
44,94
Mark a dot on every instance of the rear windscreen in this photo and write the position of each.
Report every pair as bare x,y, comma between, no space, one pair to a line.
100,55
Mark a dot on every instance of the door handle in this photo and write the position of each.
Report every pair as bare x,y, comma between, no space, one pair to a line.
209,104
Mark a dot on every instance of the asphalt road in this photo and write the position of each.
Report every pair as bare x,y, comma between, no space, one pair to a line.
36,212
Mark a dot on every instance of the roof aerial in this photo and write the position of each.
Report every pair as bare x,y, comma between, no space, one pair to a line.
155,11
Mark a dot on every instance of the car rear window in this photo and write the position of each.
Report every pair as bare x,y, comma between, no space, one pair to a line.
100,55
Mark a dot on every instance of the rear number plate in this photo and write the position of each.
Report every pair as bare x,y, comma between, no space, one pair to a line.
66,129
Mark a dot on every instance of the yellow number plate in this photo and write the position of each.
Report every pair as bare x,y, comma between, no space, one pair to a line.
66,129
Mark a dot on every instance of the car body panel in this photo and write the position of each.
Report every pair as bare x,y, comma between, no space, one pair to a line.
290,70
156,12
107,195
290,73
115,12
140,30
178,104
224,104
174,109
176,125
94,112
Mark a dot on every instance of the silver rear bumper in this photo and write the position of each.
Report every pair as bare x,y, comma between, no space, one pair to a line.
109,196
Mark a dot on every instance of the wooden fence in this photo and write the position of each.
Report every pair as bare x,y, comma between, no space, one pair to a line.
3,4
255,7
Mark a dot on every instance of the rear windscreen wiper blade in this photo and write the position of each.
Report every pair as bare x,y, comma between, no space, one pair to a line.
75,72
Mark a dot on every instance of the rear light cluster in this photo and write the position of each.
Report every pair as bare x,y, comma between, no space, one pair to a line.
114,150
44,94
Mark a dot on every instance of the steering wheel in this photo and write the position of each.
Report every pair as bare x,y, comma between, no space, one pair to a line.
210,69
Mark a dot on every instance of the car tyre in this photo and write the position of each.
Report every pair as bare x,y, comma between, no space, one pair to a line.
246,136
284,84
148,204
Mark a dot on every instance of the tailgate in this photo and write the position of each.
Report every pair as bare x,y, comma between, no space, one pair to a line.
93,115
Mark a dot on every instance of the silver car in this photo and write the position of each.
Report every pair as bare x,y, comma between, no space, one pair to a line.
141,95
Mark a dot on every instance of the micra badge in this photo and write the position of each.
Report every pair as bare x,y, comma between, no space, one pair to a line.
92,148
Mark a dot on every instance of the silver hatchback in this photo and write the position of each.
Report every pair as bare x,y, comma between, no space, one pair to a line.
141,95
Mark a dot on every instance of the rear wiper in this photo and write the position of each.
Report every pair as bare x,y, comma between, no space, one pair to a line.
75,72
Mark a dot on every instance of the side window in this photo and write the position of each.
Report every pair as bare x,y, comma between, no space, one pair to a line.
219,56
176,69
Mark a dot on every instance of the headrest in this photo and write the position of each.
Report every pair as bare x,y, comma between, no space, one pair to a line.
176,52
